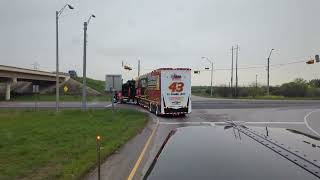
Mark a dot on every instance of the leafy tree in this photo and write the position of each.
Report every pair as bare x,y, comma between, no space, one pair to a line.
296,88
315,83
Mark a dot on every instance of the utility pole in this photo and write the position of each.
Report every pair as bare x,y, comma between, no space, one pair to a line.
256,84
237,53
268,69
138,67
256,80
231,72
84,76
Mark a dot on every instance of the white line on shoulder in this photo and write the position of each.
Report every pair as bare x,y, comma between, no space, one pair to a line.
306,121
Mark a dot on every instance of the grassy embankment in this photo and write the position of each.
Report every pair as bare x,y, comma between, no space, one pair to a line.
97,85
43,97
46,145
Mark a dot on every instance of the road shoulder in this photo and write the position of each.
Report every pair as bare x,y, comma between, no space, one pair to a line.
120,164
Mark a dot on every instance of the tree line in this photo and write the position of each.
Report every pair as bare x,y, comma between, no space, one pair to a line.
296,88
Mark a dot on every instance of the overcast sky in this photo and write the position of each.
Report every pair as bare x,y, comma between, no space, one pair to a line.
165,33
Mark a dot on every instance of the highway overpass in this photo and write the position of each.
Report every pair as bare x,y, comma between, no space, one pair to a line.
11,75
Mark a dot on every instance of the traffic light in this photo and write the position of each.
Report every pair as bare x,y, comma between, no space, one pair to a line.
196,72
310,61
317,58
127,67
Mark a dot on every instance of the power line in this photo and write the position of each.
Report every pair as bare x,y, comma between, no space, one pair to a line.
259,66
239,68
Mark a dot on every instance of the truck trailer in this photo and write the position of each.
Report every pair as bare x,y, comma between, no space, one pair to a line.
165,91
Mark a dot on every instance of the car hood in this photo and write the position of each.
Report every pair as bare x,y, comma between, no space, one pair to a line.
237,152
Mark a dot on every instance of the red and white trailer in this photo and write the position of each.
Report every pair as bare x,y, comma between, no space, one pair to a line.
165,91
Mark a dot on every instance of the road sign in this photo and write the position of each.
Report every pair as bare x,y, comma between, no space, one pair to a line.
35,88
65,88
113,82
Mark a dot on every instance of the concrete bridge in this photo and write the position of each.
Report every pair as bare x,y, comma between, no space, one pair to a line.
11,75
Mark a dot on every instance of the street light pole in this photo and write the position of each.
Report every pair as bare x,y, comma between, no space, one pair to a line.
268,69
57,62
58,13
211,78
84,77
211,62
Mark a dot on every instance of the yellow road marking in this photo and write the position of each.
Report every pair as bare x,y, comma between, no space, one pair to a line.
136,166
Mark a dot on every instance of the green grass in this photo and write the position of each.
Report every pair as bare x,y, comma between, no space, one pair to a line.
271,97
46,145
62,98
97,85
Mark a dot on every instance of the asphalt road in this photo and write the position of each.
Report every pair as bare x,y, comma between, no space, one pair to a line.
300,115
197,103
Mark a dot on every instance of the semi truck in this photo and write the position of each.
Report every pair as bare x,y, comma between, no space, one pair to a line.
162,91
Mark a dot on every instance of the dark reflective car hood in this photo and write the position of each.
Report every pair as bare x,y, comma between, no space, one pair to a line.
237,152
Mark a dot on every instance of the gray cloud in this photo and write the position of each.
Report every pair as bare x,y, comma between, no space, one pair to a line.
164,33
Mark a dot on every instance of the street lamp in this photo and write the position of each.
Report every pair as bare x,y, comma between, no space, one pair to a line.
268,69
58,13
211,62
84,77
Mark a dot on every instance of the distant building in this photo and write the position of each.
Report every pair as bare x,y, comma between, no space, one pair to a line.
73,74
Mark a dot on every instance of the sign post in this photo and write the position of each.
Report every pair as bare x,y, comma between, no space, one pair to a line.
35,90
112,91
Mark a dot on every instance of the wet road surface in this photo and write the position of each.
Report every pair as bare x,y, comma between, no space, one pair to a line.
298,115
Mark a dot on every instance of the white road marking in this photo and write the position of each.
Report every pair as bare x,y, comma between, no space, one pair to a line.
212,123
109,105
181,123
274,123
306,121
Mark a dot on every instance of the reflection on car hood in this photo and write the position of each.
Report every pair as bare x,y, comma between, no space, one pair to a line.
237,152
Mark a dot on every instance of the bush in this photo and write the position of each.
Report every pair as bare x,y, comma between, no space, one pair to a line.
315,83
297,88
222,91
313,92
